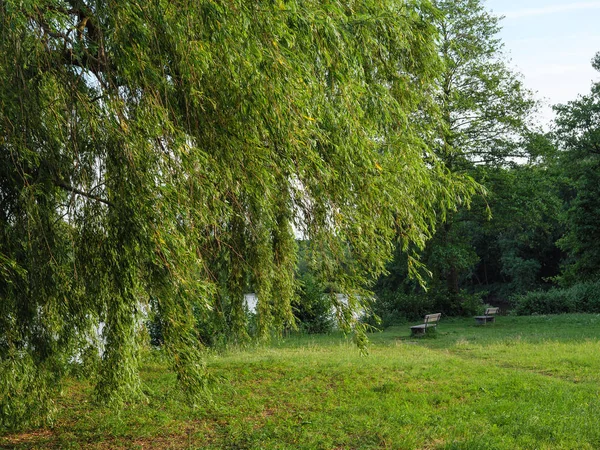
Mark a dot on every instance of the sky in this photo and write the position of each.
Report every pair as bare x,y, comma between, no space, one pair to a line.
552,43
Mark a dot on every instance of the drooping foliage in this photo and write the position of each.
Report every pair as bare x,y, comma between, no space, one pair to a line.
166,153
313,304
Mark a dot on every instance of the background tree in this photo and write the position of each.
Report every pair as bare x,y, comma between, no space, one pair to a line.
485,116
485,106
578,136
510,253
165,151
485,109
516,247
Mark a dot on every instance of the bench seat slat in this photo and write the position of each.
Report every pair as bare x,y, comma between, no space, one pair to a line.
430,322
424,325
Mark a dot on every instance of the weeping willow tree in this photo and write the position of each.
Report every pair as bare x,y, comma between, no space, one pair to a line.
173,150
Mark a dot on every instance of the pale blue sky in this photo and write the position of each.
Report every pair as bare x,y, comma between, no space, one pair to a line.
551,42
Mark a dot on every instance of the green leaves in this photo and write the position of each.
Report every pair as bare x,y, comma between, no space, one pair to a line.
578,135
486,108
171,150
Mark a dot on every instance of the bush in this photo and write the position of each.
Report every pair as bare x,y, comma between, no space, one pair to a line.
399,307
460,304
313,308
579,298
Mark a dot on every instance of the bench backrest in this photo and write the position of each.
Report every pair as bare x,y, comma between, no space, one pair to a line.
490,311
429,318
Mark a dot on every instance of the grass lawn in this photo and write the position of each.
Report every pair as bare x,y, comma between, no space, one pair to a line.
525,382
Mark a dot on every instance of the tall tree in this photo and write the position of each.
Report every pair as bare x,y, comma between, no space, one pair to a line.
165,150
485,106
578,135
485,111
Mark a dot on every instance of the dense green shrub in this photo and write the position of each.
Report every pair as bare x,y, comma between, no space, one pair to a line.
312,307
579,298
398,307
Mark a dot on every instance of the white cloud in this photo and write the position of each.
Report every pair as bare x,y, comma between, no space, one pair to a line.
551,9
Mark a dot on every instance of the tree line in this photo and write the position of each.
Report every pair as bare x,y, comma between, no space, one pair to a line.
530,244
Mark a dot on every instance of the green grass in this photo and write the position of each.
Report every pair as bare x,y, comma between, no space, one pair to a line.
524,382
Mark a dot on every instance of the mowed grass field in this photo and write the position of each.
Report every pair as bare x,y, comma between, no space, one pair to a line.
524,382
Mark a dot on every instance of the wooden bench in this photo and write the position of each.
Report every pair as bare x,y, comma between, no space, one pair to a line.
488,316
430,321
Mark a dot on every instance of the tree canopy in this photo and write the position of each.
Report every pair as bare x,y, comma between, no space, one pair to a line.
485,115
486,108
172,150
578,136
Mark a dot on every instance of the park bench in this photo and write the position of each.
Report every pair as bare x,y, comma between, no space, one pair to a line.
430,321
488,316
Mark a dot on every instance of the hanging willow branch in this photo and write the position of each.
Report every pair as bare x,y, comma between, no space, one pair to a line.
220,132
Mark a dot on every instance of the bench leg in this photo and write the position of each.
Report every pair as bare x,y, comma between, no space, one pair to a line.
417,332
484,321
